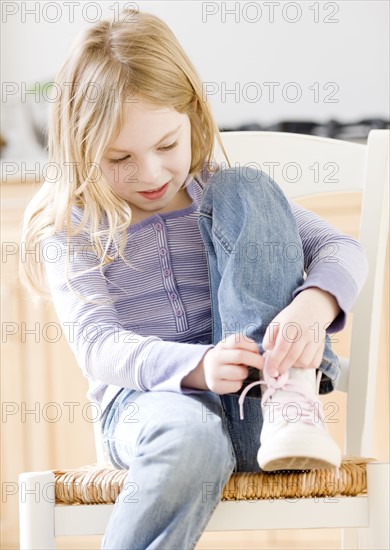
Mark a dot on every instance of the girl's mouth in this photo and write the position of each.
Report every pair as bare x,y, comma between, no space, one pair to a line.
156,194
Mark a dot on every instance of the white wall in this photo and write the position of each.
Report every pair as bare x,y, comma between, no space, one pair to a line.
345,53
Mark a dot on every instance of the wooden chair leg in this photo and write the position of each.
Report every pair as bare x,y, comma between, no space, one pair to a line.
36,511
350,539
377,536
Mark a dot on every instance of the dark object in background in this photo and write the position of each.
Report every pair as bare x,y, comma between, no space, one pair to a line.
293,126
331,129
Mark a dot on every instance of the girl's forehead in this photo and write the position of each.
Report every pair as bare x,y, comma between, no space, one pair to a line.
145,117
147,125
138,107
150,116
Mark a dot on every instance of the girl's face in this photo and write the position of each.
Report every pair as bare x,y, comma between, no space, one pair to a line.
150,159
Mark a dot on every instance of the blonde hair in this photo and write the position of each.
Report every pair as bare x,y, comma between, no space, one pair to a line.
107,66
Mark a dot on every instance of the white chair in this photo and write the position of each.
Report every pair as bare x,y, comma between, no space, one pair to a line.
303,165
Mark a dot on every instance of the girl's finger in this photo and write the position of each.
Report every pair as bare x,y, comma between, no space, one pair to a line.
242,357
240,341
311,358
292,359
278,354
270,336
233,372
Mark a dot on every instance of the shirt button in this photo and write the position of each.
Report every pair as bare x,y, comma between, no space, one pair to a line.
173,296
179,312
167,272
158,226
163,251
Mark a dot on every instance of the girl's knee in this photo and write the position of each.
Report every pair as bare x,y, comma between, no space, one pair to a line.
244,182
204,454
202,443
185,431
238,175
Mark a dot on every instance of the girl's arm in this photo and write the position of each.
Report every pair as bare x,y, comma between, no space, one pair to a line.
106,350
336,268
334,263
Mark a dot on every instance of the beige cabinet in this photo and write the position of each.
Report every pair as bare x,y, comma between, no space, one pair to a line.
46,421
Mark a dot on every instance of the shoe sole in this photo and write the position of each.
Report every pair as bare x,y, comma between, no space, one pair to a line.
283,456
295,463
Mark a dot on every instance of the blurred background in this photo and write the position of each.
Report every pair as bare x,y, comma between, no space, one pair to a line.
319,68
312,67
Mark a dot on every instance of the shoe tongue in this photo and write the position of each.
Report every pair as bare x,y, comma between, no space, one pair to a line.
306,376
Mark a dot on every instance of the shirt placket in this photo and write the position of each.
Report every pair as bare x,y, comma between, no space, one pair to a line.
168,277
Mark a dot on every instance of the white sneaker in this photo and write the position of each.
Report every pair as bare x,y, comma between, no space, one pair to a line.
294,435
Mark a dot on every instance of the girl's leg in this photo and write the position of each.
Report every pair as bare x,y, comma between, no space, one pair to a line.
179,458
255,261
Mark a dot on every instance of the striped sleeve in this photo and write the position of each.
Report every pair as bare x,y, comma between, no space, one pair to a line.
334,262
104,349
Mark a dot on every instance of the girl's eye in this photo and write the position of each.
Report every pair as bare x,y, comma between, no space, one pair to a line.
116,161
167,148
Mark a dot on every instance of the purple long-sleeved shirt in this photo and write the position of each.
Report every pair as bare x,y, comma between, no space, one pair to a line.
150,322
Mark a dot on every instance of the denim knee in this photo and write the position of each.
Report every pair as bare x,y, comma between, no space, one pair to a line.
244,182
194,448
188,435
245,203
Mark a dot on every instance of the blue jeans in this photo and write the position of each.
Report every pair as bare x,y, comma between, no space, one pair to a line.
180,450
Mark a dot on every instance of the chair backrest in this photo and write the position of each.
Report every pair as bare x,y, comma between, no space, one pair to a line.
304,165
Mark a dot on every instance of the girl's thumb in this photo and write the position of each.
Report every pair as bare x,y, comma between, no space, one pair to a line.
270,339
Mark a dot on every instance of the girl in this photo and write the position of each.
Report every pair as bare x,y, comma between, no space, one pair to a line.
144,242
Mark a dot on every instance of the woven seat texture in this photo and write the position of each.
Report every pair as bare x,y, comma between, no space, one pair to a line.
97,484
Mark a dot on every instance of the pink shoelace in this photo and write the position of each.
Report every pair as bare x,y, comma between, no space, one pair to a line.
306,403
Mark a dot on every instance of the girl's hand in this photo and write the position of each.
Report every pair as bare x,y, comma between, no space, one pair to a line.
226,365
297,334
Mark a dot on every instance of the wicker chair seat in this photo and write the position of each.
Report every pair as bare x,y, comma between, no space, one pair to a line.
97,484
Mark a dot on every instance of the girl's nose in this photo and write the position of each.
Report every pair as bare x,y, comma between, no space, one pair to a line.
149,172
